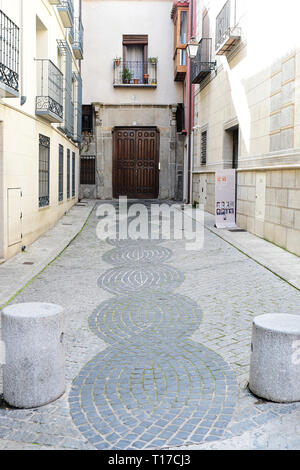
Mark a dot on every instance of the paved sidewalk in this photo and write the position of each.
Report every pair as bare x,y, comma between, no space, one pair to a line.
18,271
157,349
279,261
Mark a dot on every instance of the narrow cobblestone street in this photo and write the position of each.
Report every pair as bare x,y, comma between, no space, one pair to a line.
157,349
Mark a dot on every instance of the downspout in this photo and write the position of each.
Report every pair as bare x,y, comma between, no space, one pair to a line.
22,86
190,109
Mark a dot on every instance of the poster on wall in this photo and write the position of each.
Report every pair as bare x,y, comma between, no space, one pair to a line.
225,198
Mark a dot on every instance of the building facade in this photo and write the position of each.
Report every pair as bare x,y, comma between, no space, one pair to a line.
247,113
132,144
40,116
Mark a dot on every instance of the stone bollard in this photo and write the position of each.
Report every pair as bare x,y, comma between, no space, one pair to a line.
275,358
33,374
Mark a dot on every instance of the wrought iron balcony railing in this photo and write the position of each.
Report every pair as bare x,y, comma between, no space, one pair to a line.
67,125
9,57
135,73
227,31
77,45
49,99
202,65
66,11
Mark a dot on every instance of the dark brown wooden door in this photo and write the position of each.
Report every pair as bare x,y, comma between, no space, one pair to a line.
135,163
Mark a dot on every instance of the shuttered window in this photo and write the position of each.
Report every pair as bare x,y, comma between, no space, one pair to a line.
68,174
73,174
203,147
61,174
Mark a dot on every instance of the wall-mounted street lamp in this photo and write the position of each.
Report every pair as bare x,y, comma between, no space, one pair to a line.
192,48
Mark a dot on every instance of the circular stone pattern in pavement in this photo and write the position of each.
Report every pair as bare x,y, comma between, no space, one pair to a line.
126,280
128,242
146,318
137,254
152,398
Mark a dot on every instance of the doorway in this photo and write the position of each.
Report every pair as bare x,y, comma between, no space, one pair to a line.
136,163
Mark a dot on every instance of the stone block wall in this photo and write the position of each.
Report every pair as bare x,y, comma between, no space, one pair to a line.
268,203
279,218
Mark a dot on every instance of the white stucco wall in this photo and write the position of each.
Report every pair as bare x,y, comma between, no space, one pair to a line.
20,129
105,22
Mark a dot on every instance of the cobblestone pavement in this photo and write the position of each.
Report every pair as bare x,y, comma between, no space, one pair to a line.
157,346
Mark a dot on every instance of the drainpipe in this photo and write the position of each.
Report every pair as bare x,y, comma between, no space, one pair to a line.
190,110
22,87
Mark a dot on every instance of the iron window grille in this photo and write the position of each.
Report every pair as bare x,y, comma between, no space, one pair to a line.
9,55
68,174
44,170
203,147
88,169
135,73
73,174
49,100
67,125
61,174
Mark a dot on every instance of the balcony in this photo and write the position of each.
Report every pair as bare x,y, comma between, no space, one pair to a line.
9,58
67,125
54,2
202,65
77,45
227,32
49,100
135,73
66,11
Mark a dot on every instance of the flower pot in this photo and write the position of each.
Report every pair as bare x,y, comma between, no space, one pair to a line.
117,62
136,81
146,77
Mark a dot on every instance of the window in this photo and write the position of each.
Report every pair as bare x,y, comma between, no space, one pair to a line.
73,174
183,27
203,147
135,56
44,160
180,117
88,170
87,118
68,174
61,174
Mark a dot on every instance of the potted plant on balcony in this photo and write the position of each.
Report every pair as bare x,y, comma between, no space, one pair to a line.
117,61
126,75
136,81
153,60
146,78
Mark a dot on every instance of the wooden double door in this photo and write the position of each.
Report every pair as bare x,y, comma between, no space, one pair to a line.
136,163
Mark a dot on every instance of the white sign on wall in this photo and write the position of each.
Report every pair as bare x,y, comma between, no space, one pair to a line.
225,198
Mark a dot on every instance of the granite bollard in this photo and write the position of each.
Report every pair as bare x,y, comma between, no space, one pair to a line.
33,334
275,358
